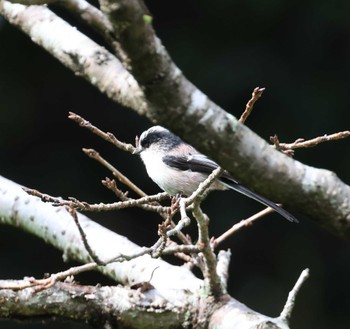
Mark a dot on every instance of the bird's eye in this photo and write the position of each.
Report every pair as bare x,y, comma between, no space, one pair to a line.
144,142
150,139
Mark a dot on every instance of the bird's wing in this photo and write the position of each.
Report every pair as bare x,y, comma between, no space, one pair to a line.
193,162
200,163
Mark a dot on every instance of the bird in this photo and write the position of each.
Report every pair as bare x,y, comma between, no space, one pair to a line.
178,168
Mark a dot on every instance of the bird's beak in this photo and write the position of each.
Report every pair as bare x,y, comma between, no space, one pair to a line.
137,150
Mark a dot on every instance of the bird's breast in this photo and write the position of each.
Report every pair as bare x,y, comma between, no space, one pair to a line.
169,179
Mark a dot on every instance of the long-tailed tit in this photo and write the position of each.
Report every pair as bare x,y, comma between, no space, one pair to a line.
178,168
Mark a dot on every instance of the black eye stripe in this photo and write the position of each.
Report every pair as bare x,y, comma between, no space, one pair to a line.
165,139
150,138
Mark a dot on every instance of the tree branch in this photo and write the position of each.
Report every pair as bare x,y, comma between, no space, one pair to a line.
170,285
257,92
56,226
317,193
290,303
98,306
77,52
288,148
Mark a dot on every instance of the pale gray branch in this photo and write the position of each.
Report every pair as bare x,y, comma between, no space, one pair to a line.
317,193
176,288
57,227
290,303
102,307
77,52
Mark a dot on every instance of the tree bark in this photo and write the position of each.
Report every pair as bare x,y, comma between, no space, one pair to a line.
164,95
176,298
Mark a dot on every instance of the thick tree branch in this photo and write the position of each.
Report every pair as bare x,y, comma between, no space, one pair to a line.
56,226
189,113
171,286
111,307
102,307
77,52
315,192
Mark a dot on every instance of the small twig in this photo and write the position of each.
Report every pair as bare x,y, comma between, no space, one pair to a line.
163,239
52,279
185,249
156,250
116,173
211,277
288,148
222,267
186,252
183,213
163,229
84,206
204,186
290,303
122,257
148,203
203,238
87,246
109,137
48,282
183,222
241,224
257,92
126,147
112,185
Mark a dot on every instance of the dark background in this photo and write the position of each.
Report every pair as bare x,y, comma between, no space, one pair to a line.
299,51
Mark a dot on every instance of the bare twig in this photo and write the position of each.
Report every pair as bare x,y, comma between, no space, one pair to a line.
145,203
288,148
109,137
241,224
211,277
123,196
204,186
116,173
222,267
184,218
84,206
183,222
112,185
184,249
52,279
168,227
87,246
127,147
48,282
257,92
290,303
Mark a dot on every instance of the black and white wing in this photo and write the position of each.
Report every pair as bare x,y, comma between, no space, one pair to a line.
200,163
194,162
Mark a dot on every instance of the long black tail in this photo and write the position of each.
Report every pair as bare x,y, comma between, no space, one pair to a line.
241,189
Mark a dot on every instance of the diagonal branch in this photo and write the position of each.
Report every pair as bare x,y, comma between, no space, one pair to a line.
56,226
77,52
189,113
171,285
